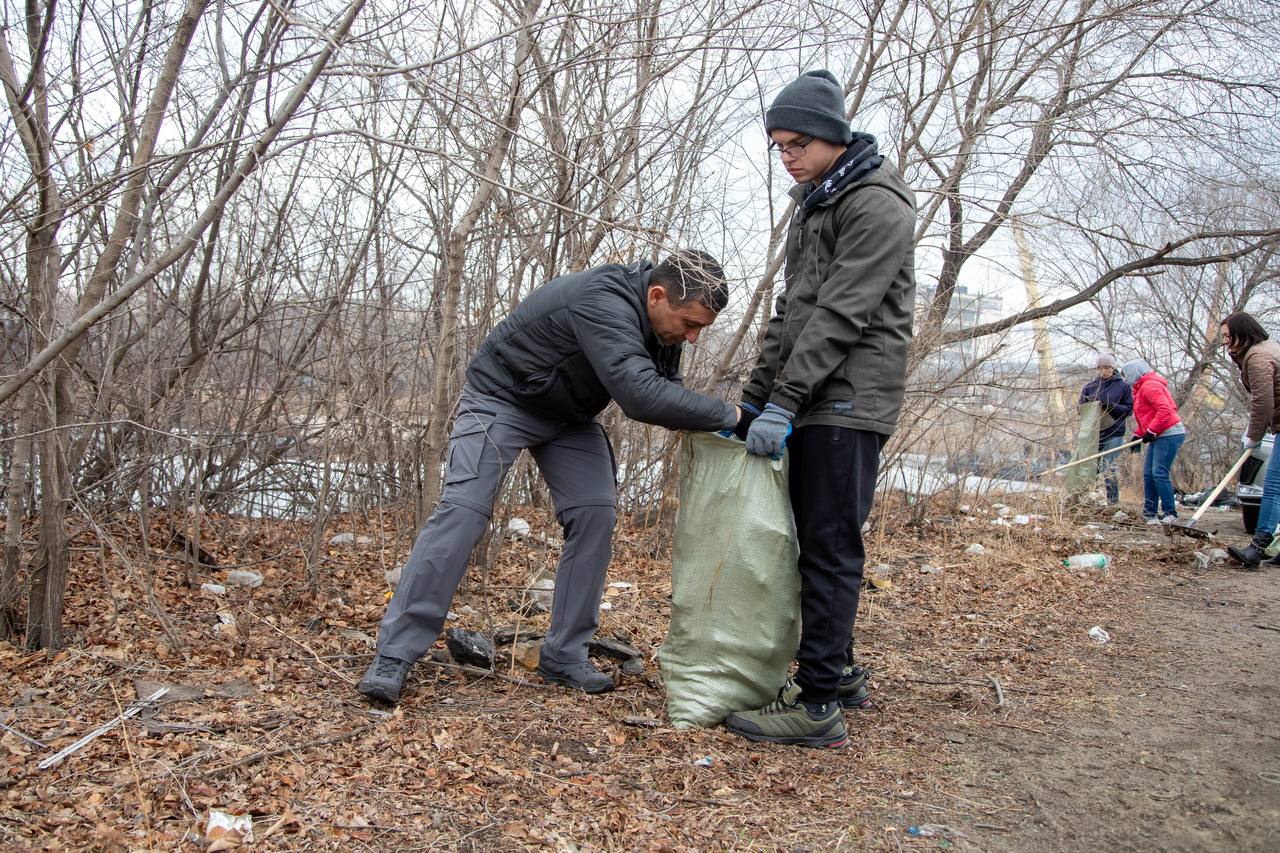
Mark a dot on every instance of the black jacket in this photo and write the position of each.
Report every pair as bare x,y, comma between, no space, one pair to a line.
579,341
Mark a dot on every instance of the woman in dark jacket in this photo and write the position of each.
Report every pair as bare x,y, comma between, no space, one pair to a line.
1258,359
1114,397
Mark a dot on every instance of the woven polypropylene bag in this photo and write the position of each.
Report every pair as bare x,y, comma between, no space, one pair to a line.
735,592
1081,478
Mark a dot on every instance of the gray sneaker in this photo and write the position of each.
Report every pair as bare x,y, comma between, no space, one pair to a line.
384,679
582,675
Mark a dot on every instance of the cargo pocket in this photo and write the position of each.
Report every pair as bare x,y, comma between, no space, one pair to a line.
466,446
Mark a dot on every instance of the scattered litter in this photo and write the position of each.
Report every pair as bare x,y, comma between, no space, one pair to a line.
540,593
245,578
927,569
613,648
1087,561
518,528
214,588
866,528
604,605
1001,510
1022,519
975,549
1001,522
359,637
620,585
350,540
393,577
469,647
225,831
1101,636
930,830
964,508
705,761
1120,515
1205,559
643,722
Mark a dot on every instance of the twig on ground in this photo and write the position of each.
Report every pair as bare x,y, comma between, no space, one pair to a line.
132,710
309,650
995,682
29,740
272,753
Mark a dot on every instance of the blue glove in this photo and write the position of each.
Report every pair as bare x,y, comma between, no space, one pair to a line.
768,434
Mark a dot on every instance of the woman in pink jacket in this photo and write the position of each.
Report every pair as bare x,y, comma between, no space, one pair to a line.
1162,431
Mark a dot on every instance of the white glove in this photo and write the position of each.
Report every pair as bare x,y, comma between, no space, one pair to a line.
1249,443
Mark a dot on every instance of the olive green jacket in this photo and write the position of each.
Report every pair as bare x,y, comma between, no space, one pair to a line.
835,351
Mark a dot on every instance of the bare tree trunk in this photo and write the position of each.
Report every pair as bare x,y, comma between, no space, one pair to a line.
454,260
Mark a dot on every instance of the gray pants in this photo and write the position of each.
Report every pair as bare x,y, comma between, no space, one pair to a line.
577,464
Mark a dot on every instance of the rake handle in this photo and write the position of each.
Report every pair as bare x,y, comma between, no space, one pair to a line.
1094,456
1217,490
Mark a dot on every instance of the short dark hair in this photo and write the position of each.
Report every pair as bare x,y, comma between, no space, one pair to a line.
1245,328
692,275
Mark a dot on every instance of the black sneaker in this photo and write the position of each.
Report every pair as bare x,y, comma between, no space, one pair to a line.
853,692
1248,556
384,679
582,675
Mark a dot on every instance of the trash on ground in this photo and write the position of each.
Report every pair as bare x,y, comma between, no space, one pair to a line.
470,647
642,722
1120,515
214,588
927,569
226,831
244,578
1087,561
1101,636
393,576
975,549
518,528
705,761
350,540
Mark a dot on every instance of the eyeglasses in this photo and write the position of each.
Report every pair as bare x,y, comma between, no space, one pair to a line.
794,149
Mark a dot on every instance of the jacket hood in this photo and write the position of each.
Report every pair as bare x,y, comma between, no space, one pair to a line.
886,177
1134,370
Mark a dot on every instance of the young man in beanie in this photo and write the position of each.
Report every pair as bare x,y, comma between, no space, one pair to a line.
1115,399
829,384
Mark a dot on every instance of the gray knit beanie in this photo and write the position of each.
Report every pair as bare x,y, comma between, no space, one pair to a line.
812,104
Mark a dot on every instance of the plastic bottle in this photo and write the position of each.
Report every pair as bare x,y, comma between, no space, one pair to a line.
1087,561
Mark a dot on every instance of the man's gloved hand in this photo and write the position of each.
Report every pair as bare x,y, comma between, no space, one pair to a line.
748,417
768,434
1249,443
1148,437
1135,448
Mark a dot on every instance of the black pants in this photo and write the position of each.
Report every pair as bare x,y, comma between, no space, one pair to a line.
833,480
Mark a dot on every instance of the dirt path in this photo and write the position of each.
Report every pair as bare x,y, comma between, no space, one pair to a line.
1174,746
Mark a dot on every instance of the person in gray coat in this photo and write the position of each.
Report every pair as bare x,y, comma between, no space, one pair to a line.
829,384
536,383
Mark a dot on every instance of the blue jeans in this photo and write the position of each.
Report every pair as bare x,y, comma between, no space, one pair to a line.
1110,465
1157,487
1269,509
